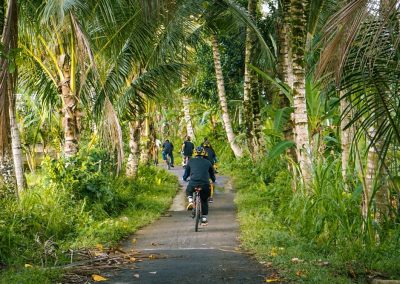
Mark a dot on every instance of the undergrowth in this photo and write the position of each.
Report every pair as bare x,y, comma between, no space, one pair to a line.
76,203
312,236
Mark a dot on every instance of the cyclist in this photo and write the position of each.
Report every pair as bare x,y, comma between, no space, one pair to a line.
200,172
210,155
167,150
187,150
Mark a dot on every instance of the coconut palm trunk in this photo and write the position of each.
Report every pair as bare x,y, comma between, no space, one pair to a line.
345,138
222,98
297,12
187,116
285,68
70,109
9,41
258,138
132,165
249,78
16,146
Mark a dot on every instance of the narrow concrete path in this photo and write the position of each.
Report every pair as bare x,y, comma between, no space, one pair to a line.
181,255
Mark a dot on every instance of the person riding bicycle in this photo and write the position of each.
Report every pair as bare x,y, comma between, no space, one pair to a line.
168,150
210,155
200,172
187,150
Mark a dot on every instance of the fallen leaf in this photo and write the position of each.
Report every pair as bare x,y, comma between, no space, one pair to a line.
27,265
133,241
99,247
136,275
132,259
152,256
274,279
98,278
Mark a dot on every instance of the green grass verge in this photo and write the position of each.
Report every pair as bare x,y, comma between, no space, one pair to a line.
48,211
278,233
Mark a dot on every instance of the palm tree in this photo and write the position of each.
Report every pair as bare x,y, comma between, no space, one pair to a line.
298,34
366,67
222,98
8,78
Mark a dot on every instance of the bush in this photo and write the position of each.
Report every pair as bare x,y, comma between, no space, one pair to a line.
79,202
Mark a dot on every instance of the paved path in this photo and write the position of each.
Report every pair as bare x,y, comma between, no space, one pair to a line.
183,256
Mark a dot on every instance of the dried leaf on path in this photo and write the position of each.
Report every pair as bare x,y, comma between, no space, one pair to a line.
98,278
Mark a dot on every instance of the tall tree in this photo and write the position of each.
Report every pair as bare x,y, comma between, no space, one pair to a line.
222,98
298,32
8,79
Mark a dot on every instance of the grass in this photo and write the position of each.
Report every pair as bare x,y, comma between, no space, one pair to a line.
76,218
282,230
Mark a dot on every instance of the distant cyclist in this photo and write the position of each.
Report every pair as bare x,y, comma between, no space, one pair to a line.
200,172
168,149
187,150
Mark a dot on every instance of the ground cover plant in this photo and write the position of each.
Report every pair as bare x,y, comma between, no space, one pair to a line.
315,238
79,208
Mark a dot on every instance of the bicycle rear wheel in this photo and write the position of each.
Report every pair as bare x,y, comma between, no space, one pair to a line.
197,216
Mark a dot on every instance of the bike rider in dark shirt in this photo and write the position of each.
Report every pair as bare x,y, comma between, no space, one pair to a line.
187,150
168,149
200,172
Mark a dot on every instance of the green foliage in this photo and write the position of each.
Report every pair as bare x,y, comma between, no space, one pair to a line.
281,221
79,203
31,275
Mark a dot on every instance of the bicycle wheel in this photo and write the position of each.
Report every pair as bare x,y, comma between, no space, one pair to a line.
197,216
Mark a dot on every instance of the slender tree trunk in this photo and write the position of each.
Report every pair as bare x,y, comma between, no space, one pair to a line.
16,146
249,78
70,109
285,68
222,98
145,140
188,118
132,165
258,138
346,138
297,11
9,41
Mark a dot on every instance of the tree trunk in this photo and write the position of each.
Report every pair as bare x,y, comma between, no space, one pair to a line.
188,118
285,69
249,78
132,165
9,41
70,109
145,138
297,11
258,139
16,146
346,137
222,98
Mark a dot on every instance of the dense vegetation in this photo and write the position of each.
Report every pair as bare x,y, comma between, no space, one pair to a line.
301,96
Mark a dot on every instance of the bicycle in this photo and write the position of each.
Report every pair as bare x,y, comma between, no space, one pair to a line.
196,212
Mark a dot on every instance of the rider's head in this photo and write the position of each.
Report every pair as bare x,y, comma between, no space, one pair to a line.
188,138
166,140
199,151
206,144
